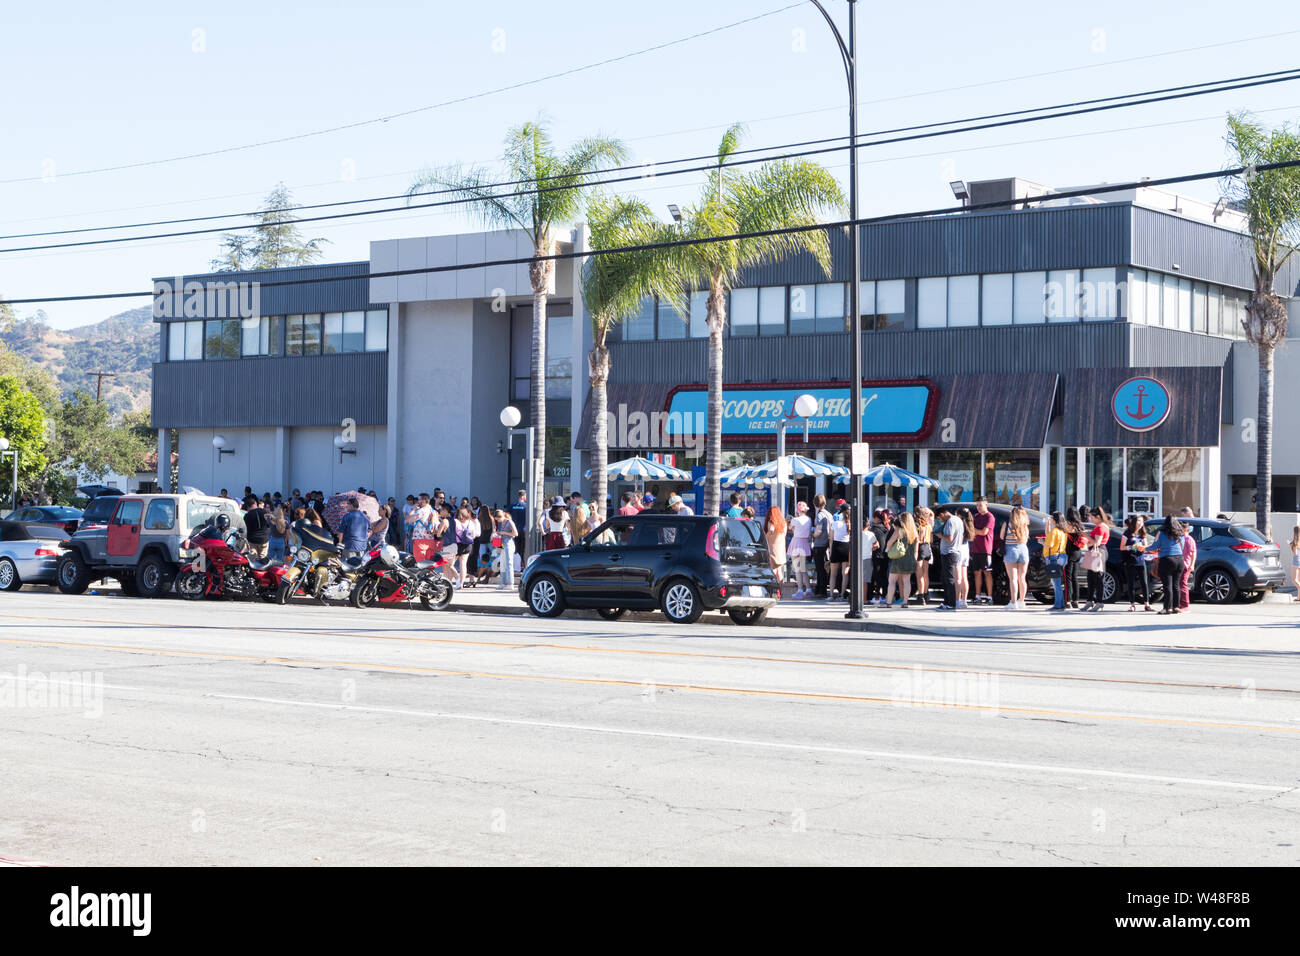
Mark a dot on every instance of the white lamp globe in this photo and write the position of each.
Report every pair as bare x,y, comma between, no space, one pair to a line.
218,441
805,406
510,416
339,441
4,444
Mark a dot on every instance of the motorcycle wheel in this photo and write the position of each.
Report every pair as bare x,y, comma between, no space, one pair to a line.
192,585
365,593
285,591
440,597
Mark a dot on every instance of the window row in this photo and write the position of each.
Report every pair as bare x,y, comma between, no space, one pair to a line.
328,333
1018,298
773,310
1177,303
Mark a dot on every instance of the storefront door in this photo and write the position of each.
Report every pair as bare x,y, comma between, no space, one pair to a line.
1142,481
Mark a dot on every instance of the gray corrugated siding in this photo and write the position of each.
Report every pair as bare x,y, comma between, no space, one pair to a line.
1202,251
300,390
825,357
1076,237
350,293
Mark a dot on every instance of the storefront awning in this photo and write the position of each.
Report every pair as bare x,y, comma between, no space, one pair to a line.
968,411
1143,407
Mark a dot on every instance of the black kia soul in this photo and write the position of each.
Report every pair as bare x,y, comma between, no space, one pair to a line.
682,565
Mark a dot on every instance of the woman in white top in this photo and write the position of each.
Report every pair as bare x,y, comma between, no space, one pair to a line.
800,550
837,560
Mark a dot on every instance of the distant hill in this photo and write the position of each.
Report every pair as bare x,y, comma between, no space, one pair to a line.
126,344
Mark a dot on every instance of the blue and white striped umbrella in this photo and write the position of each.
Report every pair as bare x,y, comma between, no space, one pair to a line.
897,477
760,476
642,469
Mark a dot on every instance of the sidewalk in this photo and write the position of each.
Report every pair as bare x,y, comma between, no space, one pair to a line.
1271,626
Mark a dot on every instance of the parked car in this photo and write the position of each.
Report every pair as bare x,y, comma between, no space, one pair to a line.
1233,560
97,512
56,516
29,554
140,543
683,566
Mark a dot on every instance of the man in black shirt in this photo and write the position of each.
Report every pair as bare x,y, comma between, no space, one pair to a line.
257,528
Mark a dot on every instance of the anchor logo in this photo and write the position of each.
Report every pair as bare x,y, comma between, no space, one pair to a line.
1141,404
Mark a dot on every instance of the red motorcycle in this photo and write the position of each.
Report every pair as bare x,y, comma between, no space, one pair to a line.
394,577
222,571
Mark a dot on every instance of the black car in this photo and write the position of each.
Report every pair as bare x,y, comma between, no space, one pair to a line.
55,516
682,565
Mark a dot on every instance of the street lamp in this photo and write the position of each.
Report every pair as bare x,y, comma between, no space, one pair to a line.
510,418
848,53
219,443
341,444
805,406
4,450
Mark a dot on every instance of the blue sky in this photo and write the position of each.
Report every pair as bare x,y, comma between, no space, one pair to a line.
89,86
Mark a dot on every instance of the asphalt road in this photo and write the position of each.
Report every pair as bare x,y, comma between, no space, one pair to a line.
224,733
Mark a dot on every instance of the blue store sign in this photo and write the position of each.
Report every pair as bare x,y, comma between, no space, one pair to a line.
1141,404
890,410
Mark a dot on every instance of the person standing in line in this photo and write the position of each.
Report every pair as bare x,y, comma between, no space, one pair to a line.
1189,567
838,560
1015,538
626,507
407,522
774,529
1076,541
981,550
951,536
555,526
582,520
1099,537
963,557
800,549
1132,548
924,522
508,532
379,530
679,507
519,515
1168,547
396,533
257,529
419,522
279,526
466,531
354,529
734,511
1054,556
901,548
482,550
1295,561
821,545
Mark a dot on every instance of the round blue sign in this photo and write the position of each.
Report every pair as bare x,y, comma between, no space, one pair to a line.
1140,404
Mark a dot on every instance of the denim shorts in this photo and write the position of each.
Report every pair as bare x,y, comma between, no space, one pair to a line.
1016,554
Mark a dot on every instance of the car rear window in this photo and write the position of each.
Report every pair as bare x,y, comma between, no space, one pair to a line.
739,533
99,509
1244,532
654,534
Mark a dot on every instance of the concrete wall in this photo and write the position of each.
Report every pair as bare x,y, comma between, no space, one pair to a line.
281,459
1238,454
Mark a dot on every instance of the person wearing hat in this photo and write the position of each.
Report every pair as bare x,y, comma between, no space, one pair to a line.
647,501
799,551
679,507
555,526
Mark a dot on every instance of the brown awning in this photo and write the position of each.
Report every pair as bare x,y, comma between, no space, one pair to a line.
1194,413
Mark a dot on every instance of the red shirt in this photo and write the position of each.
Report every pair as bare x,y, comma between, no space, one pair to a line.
1101,534
982,543
628,510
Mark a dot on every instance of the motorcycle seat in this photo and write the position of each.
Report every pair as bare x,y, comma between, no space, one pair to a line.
354,562
426,565
257,565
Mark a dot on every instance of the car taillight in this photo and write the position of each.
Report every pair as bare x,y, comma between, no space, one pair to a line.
1040,538
722,591
46,553
711,543
1247,546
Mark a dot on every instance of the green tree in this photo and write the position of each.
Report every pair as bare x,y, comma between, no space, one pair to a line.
1270,200
35,379
6,315
548,190
613,286
277,241
781,194
85,444
22,422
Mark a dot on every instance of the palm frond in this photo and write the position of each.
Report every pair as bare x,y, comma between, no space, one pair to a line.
489,203
615,284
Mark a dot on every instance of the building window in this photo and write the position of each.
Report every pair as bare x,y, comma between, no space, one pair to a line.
1198,307
1062,295
887,304
1181,487
832,313
997,298
1154,298
640,326
1185,305
559,356
1099,295
959,474
1011,477
1137,297
184,341
700,314
1169,302
931,303
1030,298
771,310
1214,314
332,333
377,331
803,309
744,312
963,301
671,325
221,339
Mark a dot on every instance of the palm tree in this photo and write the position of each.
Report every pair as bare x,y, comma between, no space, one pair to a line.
781,194
548,189
1271,201
613,287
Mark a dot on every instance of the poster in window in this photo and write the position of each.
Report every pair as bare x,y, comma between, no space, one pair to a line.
956,485
1012,486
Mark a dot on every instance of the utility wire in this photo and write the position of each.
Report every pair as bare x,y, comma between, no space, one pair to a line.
1272,78
1206,87
734,237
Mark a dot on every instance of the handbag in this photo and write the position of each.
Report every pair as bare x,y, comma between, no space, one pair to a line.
897,549
1094,561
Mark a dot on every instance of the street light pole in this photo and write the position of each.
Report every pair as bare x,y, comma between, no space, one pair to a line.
848,53
510,418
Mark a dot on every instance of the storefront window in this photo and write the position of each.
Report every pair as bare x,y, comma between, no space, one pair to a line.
1011,477
1143,470
1182,479
558,453
559,357
1071,477
1105,485
958,473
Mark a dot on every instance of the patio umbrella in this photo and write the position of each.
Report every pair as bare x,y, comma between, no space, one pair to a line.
760,476
640,469
894,476
337,506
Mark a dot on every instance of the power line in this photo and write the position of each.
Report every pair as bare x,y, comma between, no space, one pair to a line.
734,237
1206,87
419,109
1268,80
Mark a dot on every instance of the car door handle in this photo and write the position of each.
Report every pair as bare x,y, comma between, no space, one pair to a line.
135,529
615,557
669,555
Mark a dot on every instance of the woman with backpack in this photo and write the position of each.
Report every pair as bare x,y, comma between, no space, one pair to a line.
900,548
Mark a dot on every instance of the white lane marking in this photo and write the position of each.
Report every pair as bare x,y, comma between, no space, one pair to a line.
772,745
